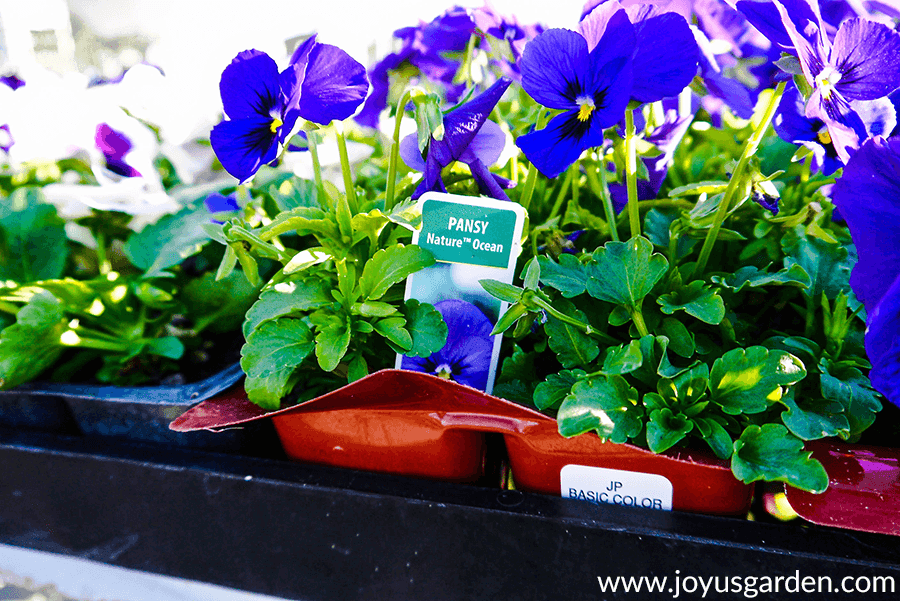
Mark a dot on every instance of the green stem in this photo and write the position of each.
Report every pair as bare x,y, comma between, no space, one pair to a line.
584,327
809,326
634,216
9,307
749,150
638,318
601,190
531,180
345,168
103,262
562,192
395,153
261,246
317,167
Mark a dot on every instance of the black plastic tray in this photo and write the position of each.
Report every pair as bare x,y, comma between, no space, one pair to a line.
137,413
307,532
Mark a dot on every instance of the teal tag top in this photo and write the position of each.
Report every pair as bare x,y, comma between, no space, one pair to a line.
468,233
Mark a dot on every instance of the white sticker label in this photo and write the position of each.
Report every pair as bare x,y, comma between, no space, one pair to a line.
616,487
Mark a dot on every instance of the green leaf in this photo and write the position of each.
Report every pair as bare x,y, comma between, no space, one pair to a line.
269,357
286,298
503,291
374,309
293,193
357,368
750,380
219,306
552,391
754,278
665,429
568,276
816,418
428,329
572,346
32,344
167,346
680,340
532,275
606,404
686,388
332,343
511,316
716,436
773,454
828,266
394,329
696,299
695,189
625,272
33,238
389,266
518,366
623,359
169,241
302,221
848,386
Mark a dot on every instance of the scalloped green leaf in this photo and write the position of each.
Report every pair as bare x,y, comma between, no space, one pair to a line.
773,454
33,244
389,266
623,359
605,404
697,300
286,298
755,277
427,327
665,429
271,355
716,436
551,392
751,380
332,343
827,265
394,329
625,272
568,275
572,346
169,241
848,386
32,344
812,419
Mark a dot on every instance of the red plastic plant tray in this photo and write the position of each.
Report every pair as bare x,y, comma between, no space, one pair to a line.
863,489
415,424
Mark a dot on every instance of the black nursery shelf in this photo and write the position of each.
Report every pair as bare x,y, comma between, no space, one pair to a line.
309,532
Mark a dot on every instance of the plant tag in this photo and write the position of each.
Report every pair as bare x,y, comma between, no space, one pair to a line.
616,487
472,239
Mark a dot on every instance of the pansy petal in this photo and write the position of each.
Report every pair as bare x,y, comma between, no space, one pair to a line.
867,55
805,31
469,344
291,79
879,116
243,145
250,85
409,152
462,124
486,146
666,57
558,145
868,197
764,17
791,123
595,21
554,68
334,86
883,344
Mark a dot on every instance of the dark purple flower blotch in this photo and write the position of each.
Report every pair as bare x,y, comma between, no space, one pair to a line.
469,138
321,84
466,357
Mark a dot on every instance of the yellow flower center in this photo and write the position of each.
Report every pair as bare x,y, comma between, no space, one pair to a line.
586,106
276,123
444,371
823,136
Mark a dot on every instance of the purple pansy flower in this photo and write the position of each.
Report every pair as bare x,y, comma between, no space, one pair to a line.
469,138
321,84
861,63
218,204
466,357
115,145
592,85
792,125
504,33
868,197
424,47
